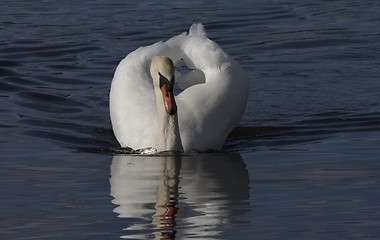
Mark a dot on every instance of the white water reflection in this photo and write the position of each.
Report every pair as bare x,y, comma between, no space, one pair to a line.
171,197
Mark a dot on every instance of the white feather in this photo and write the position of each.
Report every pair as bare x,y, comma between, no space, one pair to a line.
208,109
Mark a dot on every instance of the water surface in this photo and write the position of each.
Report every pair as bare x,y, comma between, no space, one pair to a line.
303,163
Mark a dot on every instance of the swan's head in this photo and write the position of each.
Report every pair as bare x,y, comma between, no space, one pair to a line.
162,71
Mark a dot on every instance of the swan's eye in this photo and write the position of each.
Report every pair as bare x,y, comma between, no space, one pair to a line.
165,81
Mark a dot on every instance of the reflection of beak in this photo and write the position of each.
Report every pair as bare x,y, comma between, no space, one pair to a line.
167,88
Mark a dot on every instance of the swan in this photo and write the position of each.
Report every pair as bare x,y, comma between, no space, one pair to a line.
148,113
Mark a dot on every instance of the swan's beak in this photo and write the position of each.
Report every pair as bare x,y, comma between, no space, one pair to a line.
167,88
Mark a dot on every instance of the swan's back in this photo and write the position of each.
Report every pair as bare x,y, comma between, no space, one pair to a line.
207,110
213,109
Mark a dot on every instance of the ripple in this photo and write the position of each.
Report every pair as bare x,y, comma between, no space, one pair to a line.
320,126
314,69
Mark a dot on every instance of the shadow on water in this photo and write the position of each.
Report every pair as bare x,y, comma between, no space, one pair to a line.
164,197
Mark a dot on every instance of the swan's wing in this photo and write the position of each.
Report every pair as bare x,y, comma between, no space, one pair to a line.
132,103
132,98
190,78
208,112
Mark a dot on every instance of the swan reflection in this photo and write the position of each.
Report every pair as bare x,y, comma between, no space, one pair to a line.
178,196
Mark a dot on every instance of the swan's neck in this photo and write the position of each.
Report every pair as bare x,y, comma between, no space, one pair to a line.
168,137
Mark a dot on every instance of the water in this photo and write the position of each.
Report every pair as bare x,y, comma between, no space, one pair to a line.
302,165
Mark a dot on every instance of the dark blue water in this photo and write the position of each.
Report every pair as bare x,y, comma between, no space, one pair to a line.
304,163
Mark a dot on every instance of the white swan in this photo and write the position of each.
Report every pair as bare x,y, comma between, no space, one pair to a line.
145,115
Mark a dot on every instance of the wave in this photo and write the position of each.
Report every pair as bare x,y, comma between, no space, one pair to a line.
245,138
315,128
74,120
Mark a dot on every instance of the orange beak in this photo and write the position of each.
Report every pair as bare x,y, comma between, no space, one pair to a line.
168,96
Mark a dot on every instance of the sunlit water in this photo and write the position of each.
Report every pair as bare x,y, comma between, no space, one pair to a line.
303,164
